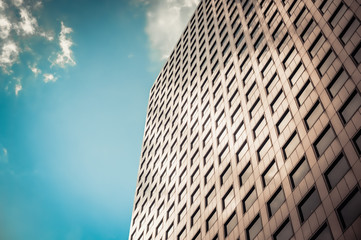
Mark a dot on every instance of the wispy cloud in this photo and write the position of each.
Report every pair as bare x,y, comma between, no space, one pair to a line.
65,56
166,19
49,77
19,31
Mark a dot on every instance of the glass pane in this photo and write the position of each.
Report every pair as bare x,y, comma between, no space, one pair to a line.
325,139
231,224
350,209
276,201
249,199
254,228
314,114
269,173
246,173
299,172
337,170
285,232
309,204
322,234
351,106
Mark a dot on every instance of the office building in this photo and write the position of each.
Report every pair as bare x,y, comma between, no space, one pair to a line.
253,129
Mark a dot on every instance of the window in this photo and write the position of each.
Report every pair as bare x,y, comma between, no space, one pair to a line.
259,127
277,101
263,149
304,92
182,213
324,140
350,107
195,194
337,82
255,107
249,199
322,233
336,16
356,54
210,195
195,216
183,234
211,219
350,208
228,197
308,204
326,62
230,224
289,57
169,231
295,75
254,228
336,171
284,232
269,173
245,174
284,120
226,174
208,175
197,236
349,30
291,145
308,29
357,141
276,201
299,172
313,115
316,45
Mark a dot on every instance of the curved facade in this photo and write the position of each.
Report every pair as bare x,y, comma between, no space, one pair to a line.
253,128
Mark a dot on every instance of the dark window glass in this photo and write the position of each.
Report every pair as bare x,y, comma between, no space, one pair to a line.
291,145
349,30
337,82
245,174
299,172
254,228
357,142
284,232
350,107
269,173
210,195
195,215
276,201
323,233
304,92
228,197
249,199
226,173
326,62
324,140
350,209
284,120
230,224
314,114
211,219
309,204
336,171
356,54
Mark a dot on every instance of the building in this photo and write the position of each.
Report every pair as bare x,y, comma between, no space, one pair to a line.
253,126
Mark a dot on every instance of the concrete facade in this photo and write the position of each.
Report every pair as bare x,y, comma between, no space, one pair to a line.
253,128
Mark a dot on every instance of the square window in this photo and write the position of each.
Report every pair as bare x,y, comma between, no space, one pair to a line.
254,228
350,209
324,140
245,174
291,145
210,195
226,174
336,171
276,201
299,172
212,218
322,233
228,197
230,224
284,120
263,149
284,232
308,204
350,107
357,141
337,82
314,114
269,173
249,199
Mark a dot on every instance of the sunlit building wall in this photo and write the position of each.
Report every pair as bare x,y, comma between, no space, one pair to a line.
253,127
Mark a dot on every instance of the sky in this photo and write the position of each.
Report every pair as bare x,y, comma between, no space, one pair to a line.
75,77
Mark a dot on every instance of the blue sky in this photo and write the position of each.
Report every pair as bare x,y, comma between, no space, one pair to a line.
74,84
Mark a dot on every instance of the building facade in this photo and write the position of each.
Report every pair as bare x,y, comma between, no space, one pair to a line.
253,128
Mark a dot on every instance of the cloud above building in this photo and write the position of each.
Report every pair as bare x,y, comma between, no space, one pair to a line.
21,34
165,22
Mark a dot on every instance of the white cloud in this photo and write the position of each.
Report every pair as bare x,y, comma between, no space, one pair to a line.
49,77
5,27
18,88
28,23
66,55
166,20
9,55
17,2
35,70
